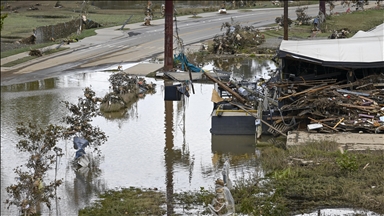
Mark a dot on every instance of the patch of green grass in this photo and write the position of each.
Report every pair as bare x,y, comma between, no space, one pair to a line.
330,178
355,21
85,33
82,35
130,201
25,49
358,20
28,58
19,61
245,10
189,200
254,198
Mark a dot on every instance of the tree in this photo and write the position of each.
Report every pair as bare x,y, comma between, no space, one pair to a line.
31,188
3,16
80,118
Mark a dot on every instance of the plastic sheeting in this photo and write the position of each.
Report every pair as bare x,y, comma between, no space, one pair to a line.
363,50
223,204
79,144
185,65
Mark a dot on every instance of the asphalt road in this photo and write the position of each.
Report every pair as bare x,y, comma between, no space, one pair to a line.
111,46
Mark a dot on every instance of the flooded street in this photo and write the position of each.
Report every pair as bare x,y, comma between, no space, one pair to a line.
153,144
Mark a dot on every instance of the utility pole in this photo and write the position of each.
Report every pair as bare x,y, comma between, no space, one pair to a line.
168,37
285,20
322,6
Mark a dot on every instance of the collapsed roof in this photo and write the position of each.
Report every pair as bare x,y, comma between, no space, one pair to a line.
363,50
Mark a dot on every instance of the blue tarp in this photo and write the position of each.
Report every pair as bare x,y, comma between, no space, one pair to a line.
185,65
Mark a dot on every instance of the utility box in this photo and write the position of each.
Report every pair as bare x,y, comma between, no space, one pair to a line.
172,93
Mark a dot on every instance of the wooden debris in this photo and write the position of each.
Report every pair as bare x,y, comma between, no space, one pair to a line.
226,88
357,109
325,125
342,119
333,105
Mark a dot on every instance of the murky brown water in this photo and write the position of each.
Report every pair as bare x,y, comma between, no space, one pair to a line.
159,144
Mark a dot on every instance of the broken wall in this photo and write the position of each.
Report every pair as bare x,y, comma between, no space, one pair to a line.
62,30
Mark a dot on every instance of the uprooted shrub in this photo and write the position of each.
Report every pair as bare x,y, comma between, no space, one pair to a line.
236,38
80,119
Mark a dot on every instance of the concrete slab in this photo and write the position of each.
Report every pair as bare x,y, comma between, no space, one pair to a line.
196,76
143,68
351,141
182,76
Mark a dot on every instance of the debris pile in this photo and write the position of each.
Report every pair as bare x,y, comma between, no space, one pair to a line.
28,40
236,37
148,14
33,7
332,107
35,52
302,16
331,4
280,21
223,203
325,106
336,34
125,89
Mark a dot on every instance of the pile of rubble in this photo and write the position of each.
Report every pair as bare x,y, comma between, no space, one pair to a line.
236,38
336,34
35,52
125,90
324,106
302,16
331,107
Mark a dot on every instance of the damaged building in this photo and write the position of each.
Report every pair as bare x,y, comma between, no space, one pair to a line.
322,86
351,58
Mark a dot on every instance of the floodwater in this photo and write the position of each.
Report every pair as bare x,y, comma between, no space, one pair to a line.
153,144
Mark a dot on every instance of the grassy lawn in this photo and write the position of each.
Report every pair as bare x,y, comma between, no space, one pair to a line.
25,49
28,58
355,21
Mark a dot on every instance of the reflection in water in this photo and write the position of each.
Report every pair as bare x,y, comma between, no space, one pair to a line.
248,69
45,84
175,156
238,150
86,181
130,111
169,154
233,144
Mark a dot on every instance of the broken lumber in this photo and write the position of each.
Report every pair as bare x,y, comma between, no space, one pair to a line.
226,88
325,125
305,91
